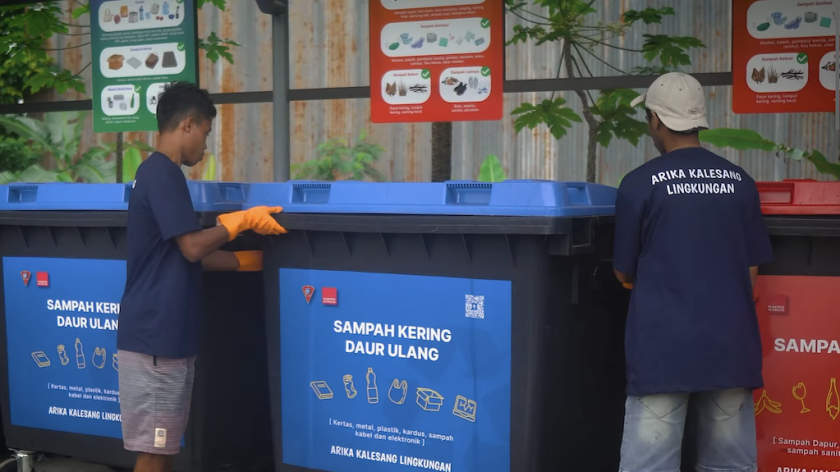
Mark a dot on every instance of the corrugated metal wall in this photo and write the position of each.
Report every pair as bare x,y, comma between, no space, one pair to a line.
330,49
536,154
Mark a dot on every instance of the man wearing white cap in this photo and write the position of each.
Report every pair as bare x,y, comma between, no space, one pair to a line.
689,237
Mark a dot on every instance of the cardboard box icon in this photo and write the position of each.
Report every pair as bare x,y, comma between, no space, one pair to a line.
428,399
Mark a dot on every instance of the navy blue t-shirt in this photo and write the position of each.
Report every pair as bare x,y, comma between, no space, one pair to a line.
689,226
159,312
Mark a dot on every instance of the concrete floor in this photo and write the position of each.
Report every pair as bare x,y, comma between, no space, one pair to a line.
67,465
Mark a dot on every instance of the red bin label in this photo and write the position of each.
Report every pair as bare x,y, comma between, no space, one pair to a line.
797,411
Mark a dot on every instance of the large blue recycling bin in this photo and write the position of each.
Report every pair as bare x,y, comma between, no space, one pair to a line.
461,326
63,249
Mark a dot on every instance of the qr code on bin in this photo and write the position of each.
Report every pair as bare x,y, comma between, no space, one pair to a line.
475,306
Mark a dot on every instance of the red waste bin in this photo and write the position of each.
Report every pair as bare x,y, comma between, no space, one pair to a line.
798,306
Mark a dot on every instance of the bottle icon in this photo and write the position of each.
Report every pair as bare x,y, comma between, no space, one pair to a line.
80,354
141,13
62,355
372,390
832,401
349,388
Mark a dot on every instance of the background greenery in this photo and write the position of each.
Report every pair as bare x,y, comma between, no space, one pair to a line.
48,149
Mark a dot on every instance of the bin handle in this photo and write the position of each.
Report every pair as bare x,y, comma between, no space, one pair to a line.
468,193
232,192
22,194
311,192
776,193
577,193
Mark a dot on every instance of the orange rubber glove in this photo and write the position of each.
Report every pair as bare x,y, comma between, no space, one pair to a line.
249,261
628,286
258,219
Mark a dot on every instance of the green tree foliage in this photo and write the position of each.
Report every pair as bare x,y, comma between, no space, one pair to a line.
609,115
58,137
745,139
337,159
28,66
491,170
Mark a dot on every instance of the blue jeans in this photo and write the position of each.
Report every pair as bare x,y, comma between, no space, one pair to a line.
654,424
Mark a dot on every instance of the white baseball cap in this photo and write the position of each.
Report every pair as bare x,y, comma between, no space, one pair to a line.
678,101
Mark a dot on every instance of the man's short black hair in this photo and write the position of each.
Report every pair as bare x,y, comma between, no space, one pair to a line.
182,100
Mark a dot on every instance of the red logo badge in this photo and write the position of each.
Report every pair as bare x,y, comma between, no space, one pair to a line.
25,275
329,296
777,304
42,279
308,291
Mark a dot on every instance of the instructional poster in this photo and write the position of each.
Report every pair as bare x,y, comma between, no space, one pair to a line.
783,56
436,60
137,47
798,410
384,372
61,330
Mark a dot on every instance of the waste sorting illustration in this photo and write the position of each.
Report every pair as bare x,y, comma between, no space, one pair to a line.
60,334
785,62
798,409
137,47
799,393
380,336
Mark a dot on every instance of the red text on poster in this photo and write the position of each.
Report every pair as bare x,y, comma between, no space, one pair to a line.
436,60
783,56
798,410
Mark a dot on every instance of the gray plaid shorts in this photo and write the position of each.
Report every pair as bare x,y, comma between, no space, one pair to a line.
155,395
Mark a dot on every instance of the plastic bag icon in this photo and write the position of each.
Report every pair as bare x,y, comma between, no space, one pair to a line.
98,359
398,391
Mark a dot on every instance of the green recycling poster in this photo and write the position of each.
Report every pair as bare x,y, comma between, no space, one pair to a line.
137,47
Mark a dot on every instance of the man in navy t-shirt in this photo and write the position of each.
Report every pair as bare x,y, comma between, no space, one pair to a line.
689,238
161,308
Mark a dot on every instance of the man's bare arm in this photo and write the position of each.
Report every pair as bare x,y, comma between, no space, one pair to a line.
220,261
624,278
199,244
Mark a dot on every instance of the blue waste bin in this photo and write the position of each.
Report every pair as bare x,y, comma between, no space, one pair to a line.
459,326
63,249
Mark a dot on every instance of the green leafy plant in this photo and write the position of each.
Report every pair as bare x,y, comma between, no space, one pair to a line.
16,154
745,139
609,115
59,137
491,170
209,172
28,67
336,159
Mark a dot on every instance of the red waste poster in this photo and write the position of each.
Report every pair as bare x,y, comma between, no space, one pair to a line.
798,410
783,58
436,60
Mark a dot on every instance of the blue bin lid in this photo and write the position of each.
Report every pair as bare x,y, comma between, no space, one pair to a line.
206,196
468,198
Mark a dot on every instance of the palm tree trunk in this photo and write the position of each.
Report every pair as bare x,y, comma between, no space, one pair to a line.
441,151
588,116
118,150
